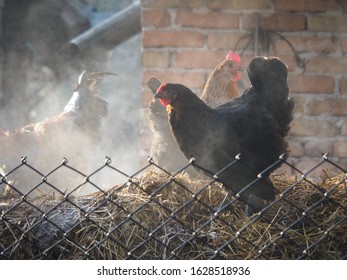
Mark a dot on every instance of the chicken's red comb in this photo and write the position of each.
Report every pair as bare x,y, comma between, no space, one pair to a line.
233,56
161,87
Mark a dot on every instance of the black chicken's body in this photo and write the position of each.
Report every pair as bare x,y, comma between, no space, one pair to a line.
252,126
220,87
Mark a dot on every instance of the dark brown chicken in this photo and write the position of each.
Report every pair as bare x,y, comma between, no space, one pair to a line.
240,139
73,134
220,88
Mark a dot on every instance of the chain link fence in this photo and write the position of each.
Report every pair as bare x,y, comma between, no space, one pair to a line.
158,215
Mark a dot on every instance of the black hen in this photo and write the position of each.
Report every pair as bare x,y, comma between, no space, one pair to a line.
241,138
220,88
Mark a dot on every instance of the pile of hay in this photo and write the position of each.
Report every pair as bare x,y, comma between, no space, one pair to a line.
157,216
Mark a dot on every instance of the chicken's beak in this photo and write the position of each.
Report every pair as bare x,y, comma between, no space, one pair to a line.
163,97
158,95
153,84
240,68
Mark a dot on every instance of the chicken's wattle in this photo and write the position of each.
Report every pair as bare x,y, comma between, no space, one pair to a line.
165,101
236,77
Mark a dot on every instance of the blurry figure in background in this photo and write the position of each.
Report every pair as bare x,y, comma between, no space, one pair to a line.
74,133
39,71
36,60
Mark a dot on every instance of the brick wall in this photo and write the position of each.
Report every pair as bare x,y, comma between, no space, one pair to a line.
183,40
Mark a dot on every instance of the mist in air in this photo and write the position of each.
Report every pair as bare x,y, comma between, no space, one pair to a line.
38,79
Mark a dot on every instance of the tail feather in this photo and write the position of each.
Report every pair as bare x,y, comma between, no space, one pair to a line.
268,76
153,84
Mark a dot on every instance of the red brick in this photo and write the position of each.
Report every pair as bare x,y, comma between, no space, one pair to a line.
295,148
278,22
285,169
239,4
299,103
155,59
343,86
215,4
311,84
305,6
327,64
192,80
336,107
198,59
344,128
158,38
246,59
155,18
341,162
226,40
344,6
289,60
327,23
343,44
306,164
305,43
312,127
317,148
173,3
208,20
340,148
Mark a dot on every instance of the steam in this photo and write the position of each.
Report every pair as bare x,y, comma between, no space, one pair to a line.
49,89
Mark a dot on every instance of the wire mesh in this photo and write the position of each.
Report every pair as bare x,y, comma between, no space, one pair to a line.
154,214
